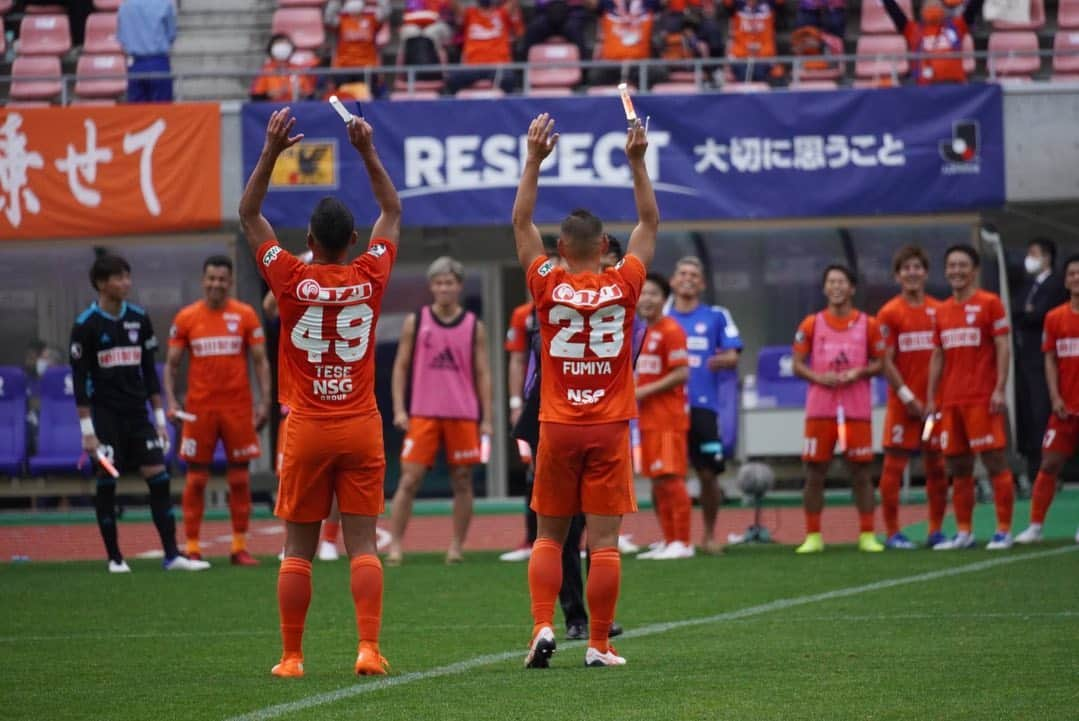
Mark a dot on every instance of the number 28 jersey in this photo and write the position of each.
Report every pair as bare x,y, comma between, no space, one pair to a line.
586,326
328,318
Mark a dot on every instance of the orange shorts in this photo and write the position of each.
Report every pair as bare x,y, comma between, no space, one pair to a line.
971,429
901,432
822,434
459,437
235,427
584,468
664,453
327,457
1062,436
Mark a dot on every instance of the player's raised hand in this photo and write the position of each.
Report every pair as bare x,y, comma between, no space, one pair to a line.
541,137
361,135
636,142
279,132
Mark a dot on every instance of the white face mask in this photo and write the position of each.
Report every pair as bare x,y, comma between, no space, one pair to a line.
1033,265
41,365
281,51
354,7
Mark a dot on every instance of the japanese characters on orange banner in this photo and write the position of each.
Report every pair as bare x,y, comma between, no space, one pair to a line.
99,171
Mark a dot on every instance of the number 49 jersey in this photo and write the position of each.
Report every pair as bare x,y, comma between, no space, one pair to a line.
586,325
328,319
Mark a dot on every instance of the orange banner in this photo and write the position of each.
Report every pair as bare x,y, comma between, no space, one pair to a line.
98,171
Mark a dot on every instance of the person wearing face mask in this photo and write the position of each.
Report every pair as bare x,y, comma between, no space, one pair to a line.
357,24
490,28
935,33
278,81
1040,292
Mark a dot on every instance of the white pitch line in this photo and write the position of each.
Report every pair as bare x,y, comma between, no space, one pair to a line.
340,694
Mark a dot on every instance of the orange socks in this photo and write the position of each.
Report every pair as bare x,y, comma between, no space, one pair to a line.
812,522
239,478
681,509
865,522
194,504
1045,487
936,491
891,478
662,500
604,578
963,500
330,529
545,580
367,596
293,598
1004,500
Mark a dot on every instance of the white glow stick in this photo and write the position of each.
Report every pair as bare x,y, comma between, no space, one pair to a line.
627,104
345,114
927,430
185,416
107,464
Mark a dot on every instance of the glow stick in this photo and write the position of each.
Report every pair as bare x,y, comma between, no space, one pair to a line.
485,448
107,464
341,111
185,416
927,430
627,105
841,422
524,451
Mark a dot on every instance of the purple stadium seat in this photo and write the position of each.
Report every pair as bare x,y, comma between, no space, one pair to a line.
101,34
12,420
777,386
879,390
59,442
44,35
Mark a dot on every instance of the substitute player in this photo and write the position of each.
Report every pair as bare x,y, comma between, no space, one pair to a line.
220,332
662,372
441,386
1060,343
838,350
970,366
906,323
518,342
587,397
714,345
333,437
113,376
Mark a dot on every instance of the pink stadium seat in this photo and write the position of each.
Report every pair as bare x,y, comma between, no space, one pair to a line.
101,76
100,102
815,85
475,93
28,104
101,34
1001,60
1068,14
44,35
875,20
745,88
5,6
302,25
45,73
676,88
1065,53
417,95
1037,19
1065,78
969,63
871,64
544,57
3,38
605,90
44,10
400,86
550,93
107,6
681,76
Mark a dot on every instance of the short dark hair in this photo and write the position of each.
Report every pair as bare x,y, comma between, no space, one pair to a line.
550,244
1071,259
582,230
105,266
664,286
964,248
909,252
614,245
217,261
275,38
1048,247
332,224
851,277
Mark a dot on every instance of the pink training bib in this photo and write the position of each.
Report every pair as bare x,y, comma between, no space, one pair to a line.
837,351
443,368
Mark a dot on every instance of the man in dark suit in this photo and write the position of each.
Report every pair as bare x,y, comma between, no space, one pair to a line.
1041,291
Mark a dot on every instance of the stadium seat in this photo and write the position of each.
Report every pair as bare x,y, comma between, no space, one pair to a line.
44,35
1068,14
475,93
815,85
1037,19
101,34
872,51
402,94
674,88
875,20
301,3
777,386
745,88
3,38
5,6
44,10
100,76
543,60
302,25
1003,61
1065,53
550,93
107,6
1065,78
35,78
606,90
12,420
59,442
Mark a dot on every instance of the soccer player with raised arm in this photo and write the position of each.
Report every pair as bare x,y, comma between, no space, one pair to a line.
587,394
970,367
113,376
906,324
838,350
220,333
333,438
1060,343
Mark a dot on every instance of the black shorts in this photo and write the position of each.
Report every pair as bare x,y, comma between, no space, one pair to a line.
705,444
129,439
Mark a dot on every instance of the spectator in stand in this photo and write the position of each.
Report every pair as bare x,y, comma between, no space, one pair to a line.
432,19
830,16
356,25
624,34
816,47
935,34
278,81
752,37
568,18
146,30
691,30
489,30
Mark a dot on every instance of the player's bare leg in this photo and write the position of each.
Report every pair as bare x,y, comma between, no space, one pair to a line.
401,511
996,463
865,502
461,482
1045,487
544,582
711,497
961,469
294,594
813,505
601,590
366,583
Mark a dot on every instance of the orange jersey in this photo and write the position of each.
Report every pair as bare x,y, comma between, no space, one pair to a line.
329,314
1061,336
217,341
488,35
908,329
664,350
625,36
277,87
586,326
517,335
966,331
803,339
753,31
356,46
